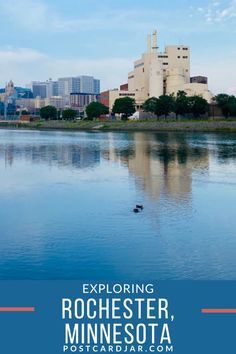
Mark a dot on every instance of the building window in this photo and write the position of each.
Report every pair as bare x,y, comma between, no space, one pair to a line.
178,57
165,63
185,57
138,65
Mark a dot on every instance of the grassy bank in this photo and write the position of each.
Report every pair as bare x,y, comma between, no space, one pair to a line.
198,126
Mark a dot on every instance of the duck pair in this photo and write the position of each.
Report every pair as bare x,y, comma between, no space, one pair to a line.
138,208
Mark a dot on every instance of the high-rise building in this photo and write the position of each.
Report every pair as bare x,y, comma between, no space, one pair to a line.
96,86
51,88
44,89
39,89
157,73
81,100
68,85
79,84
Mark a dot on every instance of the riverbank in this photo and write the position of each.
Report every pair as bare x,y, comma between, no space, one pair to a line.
198,126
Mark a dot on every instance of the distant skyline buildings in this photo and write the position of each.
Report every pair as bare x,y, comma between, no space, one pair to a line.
64,86
38,94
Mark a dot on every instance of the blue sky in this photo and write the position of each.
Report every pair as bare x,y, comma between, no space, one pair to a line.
53,38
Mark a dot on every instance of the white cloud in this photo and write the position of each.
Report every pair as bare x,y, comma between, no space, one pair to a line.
38,16
25,65
17,56
219,11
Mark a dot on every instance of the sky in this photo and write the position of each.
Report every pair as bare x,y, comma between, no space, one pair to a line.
44,39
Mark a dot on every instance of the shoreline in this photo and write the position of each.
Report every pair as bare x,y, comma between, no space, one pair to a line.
210,126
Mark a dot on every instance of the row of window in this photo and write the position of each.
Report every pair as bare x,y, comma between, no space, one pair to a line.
183,48
138,65
184,57
126,94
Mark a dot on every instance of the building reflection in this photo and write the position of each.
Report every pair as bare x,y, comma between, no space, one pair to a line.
61,155
161,163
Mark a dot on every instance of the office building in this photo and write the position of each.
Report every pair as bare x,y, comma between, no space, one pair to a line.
39,89
81,100
79,84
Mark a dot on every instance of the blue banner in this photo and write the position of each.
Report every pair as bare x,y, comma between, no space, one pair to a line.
53,317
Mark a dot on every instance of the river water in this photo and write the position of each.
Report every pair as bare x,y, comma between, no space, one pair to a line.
67,199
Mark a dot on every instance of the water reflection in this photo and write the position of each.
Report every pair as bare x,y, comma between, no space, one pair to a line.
161,162
64,155
67,199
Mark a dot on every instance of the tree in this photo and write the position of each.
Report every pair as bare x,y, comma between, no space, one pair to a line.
48,112
69,114
198,105
227,104
232,106
150,105
165,105
24,112
125,105
182,103
95,110
222,101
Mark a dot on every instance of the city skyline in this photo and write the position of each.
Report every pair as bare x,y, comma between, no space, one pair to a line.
59,39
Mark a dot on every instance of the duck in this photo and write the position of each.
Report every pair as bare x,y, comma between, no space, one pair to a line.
139,207
136,210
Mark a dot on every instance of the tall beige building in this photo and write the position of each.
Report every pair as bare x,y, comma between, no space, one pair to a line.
157,73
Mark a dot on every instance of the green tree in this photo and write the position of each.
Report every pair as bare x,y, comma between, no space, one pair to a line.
24,112
222,101
165,105
69,114
125,105
182,103
227,104
232,106
150,105
95,110
198,105
48,112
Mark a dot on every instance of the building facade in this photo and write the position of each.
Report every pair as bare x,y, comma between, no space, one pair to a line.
39,89
108,97
157,73
79,84
81,100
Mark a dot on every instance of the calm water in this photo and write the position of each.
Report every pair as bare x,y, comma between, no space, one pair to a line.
66,203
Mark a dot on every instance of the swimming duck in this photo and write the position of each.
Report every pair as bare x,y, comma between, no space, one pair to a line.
136,210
